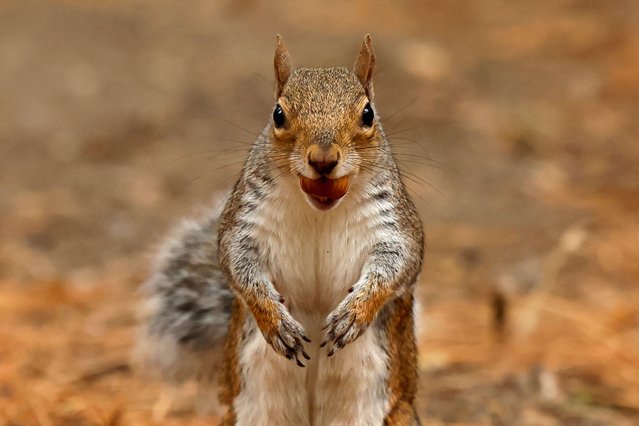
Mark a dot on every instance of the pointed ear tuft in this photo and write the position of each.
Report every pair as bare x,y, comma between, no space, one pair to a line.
283,67
365,64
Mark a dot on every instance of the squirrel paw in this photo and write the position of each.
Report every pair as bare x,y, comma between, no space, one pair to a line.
345,324
287,337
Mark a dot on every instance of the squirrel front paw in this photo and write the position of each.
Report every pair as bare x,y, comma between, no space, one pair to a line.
285,335
346,323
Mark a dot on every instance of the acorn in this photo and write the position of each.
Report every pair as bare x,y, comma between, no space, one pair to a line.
325,187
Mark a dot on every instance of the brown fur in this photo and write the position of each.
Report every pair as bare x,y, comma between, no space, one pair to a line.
402,349
230,381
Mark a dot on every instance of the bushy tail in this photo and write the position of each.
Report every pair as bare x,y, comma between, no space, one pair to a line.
186,308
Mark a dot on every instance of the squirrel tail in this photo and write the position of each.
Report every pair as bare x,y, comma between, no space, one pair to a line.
186,308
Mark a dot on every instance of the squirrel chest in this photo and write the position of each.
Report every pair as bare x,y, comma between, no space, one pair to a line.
314,257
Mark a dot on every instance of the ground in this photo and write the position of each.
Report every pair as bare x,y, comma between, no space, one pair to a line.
514,124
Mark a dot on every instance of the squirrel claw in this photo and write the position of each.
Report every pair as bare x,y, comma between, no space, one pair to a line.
287,337
345,324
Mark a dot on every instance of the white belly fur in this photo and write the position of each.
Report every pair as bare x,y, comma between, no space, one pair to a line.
314,258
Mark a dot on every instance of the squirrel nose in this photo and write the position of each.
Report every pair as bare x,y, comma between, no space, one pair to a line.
324,168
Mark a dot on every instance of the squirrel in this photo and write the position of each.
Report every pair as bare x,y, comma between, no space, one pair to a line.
297,300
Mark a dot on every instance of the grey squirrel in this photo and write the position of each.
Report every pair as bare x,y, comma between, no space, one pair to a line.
297,300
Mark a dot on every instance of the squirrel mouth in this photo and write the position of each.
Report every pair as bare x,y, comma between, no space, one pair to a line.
324,193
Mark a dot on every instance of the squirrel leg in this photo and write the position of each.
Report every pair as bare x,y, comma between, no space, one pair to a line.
352,385
388,273
280,330
270,390
250,282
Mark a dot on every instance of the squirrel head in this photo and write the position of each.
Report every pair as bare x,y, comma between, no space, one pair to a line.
324,129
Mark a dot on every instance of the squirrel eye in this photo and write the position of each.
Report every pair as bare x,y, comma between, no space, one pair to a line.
278,116
368,115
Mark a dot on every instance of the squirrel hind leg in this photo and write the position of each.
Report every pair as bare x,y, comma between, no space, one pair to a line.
186,309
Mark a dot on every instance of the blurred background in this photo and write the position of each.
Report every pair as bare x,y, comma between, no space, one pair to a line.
515,124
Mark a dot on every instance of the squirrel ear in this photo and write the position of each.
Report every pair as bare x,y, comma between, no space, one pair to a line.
283,66
365,64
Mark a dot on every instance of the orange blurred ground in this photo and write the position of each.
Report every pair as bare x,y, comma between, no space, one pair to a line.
515,126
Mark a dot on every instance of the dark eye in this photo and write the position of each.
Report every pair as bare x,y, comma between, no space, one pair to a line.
278,116
368,115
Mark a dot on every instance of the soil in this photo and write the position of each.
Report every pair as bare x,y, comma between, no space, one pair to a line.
515,126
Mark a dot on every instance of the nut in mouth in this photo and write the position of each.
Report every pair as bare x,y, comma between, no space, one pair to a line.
324,193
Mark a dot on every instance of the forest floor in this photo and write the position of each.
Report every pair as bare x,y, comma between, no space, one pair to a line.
515,124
